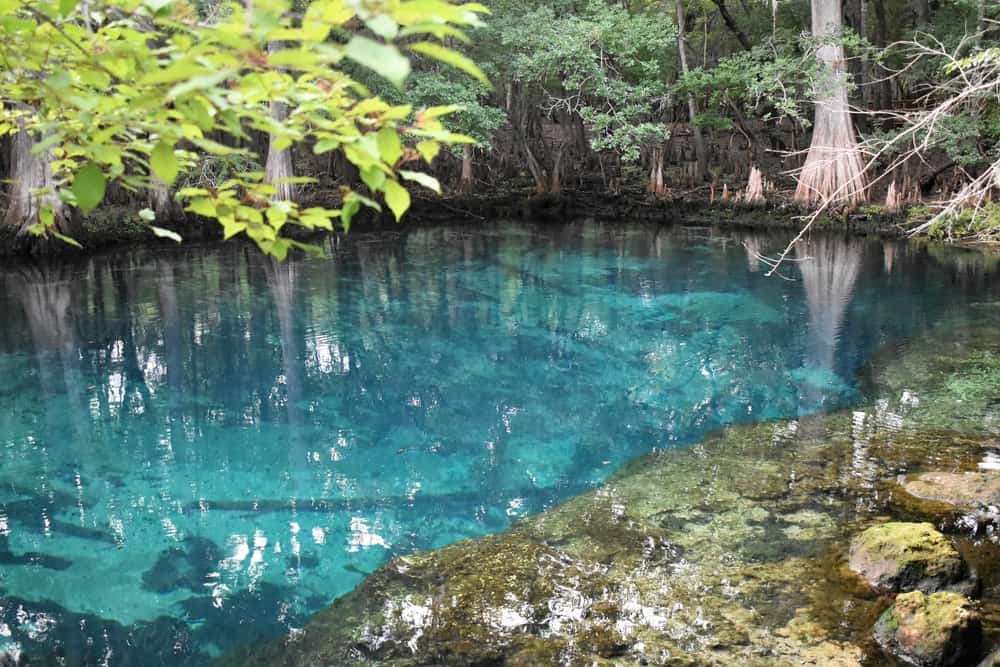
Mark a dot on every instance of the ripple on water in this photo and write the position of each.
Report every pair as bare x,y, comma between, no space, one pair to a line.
201,442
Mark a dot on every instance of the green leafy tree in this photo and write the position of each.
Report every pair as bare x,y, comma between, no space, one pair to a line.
134,91
471,115
600,63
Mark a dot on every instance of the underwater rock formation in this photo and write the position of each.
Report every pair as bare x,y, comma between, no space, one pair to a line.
899,556
183,567
732,551
930,630
968,490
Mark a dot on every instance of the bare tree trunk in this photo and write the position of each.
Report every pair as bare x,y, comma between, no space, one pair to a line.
536,169
555,184
981,24
699,141
465,183
863,66
278,167
833,171
658,186
883,93
32,188
734,28
159,199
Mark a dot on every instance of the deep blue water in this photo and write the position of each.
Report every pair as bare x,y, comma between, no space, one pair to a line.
199,447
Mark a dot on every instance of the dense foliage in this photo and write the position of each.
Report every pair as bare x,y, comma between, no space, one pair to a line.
230,105
137,93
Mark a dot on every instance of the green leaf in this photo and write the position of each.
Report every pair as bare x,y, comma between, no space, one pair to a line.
326,145
398,199
166,233
88,187
347,211
437,112
66,239
428,150
423,179
383,59
66,7
373,177
389,146
147,214
383,26
202,206
439,30
451,57
163,162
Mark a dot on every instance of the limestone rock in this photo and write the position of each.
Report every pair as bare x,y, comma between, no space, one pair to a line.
930,630
899,556
969,490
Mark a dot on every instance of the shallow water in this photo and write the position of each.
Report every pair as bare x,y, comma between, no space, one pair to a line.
200,448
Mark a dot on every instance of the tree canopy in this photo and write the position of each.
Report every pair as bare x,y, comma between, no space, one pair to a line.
133,93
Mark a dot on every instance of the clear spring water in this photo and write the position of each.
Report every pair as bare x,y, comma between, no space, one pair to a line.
199,448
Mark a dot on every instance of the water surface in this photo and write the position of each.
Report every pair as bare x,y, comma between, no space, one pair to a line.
200,447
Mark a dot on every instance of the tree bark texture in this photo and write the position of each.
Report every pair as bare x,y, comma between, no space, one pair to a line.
834,171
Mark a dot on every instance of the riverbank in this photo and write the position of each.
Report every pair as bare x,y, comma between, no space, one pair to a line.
122,226
732,551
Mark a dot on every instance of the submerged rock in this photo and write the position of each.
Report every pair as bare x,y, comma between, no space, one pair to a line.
966,491
935,630
183,567
726,552
899,556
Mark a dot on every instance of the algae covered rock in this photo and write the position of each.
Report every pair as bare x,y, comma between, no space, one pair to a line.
930,630
969,490
898,556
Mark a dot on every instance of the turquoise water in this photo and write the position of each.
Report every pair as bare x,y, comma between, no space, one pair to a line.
200,448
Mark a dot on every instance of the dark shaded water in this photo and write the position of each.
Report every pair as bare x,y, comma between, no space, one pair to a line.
200,447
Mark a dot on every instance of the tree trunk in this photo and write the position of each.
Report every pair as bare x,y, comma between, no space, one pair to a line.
730,22
883,92
29,174
833,171
159,199
981,24
699,142
279,161
555,184
465,183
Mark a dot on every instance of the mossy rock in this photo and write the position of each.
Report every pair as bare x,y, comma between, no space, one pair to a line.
898,556
935,630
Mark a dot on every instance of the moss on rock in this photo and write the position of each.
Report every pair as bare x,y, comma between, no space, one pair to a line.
732,551
898,556
930,630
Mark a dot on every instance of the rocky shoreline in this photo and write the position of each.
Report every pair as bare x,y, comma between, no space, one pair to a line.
737,550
